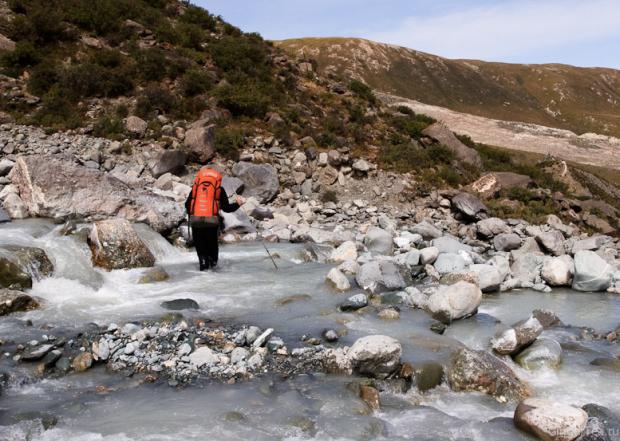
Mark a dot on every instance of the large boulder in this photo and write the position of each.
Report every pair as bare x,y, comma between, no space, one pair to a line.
338,280
552,242
200,142
15,301
491,184
427,230
480,371
232,185
526,267
58,188
507,242
550,421
379,275
15,207
442,134
12,275
512,340
558,271
346,252
4,216
470,206
449,263
491,227
449,244
592,272
115,244
454,302
260,180
237,222
136,125
490,277
375,355
170,161
379,241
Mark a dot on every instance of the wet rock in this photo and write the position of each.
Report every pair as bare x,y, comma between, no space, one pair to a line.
607,363
558,271
260,180
37,352
592,272
15,301
379,241
202,356
607,417
56,188
370,396
330,336
338,280
480,371
595,431
507,242
544,352
389,314
375,355
33,261
12,276
4,216
180,304
470,206
263,338
454,302
550,421
154,275
114,244
380,275
428,376
49,361
354,303
548,319
512,340
82,362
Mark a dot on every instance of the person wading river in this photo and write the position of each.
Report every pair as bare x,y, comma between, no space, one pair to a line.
203,205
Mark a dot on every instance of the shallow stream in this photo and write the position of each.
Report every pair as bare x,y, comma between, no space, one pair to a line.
295,301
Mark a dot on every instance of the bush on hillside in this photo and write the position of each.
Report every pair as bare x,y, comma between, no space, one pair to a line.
228,142
25,55
363,91
195,82
155,99
251,99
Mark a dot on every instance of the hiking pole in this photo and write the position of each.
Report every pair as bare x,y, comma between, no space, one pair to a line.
189,230
270,256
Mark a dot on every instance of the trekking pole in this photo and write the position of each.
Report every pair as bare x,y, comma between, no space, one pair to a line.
189,230
270,256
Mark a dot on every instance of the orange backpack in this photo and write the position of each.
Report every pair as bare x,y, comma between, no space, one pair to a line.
206,192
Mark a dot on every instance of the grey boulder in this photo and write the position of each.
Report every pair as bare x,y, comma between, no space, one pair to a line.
454,302
259,180
380,275
592,272
379,241
470,206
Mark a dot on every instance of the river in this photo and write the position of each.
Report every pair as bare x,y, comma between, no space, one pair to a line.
246,289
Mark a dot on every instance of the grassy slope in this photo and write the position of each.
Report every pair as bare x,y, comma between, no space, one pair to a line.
578,99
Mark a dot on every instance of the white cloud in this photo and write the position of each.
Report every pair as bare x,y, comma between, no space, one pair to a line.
509,29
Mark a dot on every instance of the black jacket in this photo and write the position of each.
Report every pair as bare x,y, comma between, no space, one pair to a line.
225,206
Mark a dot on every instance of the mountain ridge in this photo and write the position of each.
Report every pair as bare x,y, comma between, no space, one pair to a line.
580,99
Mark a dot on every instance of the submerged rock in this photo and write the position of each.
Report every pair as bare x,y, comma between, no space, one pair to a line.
544,352
550,421
33,261
153,275
12,276
114,244
480,371
180,304
15,301
338,280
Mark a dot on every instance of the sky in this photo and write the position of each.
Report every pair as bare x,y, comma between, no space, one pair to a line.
577,32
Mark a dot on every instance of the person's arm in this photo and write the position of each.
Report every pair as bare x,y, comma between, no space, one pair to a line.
225,205
188,202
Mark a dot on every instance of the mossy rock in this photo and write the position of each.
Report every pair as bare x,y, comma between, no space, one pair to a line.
12,276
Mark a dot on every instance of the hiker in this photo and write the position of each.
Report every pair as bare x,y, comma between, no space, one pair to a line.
203,205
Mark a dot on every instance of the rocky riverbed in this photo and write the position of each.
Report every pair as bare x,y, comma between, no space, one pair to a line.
387,317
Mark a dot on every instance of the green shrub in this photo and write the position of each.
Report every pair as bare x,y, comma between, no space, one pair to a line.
24,55
200,17
109,126
150,64
92,80
154,99
43,77
329,196
228,142
406,110
363,91
407,157
241,57
195,82
251,99
57,111
410,126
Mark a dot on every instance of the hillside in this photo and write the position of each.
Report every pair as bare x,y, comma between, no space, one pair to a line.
578,99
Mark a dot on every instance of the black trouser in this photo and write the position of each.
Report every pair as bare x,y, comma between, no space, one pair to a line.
207,247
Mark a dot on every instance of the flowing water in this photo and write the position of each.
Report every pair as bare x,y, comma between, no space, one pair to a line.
247,289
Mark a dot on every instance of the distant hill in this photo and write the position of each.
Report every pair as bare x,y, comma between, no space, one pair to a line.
579,99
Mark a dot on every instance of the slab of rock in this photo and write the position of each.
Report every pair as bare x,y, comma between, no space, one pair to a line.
550,421
449,263
512,340
470,206
346,252
15,207
427,230
15,301
57,188
491,184
353,303
491,227
154,275
170,161
115,244
507,242
202,356
380,275
232,185
237,222
379,241
489,277
259,180
442,134
480,371
33,261
595,430
200,142
375,355
180,304
592,272
454,302
558,271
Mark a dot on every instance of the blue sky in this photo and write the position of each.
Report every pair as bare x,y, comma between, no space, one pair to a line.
578,32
